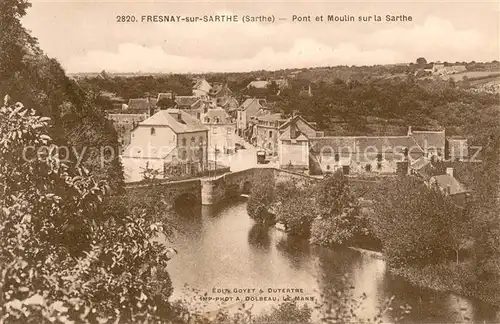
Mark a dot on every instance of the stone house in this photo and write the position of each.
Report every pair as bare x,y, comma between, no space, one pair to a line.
294,143
365,154
171,141
249,109
221,131
450,187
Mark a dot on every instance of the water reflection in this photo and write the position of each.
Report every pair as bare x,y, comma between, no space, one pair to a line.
295,250
221,247
258,237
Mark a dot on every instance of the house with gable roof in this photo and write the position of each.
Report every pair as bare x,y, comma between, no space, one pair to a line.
170,138
365,154
267,131
201,88
294,142
249,109
221,131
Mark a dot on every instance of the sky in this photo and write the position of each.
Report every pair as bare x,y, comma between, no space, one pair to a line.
85,36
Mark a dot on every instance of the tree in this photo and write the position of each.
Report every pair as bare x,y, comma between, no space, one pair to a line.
293,207
260,201
66,255
421,61
29,76
336,210
403,210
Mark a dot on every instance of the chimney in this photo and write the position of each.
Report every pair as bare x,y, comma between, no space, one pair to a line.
449,171
409,131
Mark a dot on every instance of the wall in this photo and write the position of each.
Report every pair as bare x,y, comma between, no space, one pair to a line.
357,163
295,153
270,143
161,143
241,120
124,124
133,167
194,145
222,136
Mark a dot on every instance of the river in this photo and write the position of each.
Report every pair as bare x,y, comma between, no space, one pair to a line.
220,247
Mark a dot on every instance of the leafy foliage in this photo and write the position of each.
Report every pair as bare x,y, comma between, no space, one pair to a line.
404,209
78,123
260,200
294,208
338,218
64,258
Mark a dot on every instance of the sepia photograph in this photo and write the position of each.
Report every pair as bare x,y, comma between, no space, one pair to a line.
249,162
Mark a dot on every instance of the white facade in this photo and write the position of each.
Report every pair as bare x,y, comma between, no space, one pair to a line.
294,153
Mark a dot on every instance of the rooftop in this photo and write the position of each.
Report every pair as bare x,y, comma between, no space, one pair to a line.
186,101
445,181
252,102
216,113
141,103
366,144
178,120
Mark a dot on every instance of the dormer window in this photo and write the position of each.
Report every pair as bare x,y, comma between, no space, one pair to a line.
153,131
207,120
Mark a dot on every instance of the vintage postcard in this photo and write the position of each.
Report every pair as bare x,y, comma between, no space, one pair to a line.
249,161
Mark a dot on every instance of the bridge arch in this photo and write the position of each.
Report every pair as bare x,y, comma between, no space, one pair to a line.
185,200
246,187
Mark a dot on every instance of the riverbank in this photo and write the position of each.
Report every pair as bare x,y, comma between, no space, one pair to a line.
452,278
444,277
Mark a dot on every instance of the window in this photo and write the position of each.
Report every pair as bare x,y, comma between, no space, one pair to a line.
337,157
328,167
207,120
379,157
270,134
183,142
183,154
229,131
214,130
153,131
200,139
368,167
193,140
198,115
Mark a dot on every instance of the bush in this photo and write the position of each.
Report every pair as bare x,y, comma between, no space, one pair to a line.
294,208
414,223
337,212
65,256
260,201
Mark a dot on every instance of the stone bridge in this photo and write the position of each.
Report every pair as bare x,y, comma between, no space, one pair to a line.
172,192
208,191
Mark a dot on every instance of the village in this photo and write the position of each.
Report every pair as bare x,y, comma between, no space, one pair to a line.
210,132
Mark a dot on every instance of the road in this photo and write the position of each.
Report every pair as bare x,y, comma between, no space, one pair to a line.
243,159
